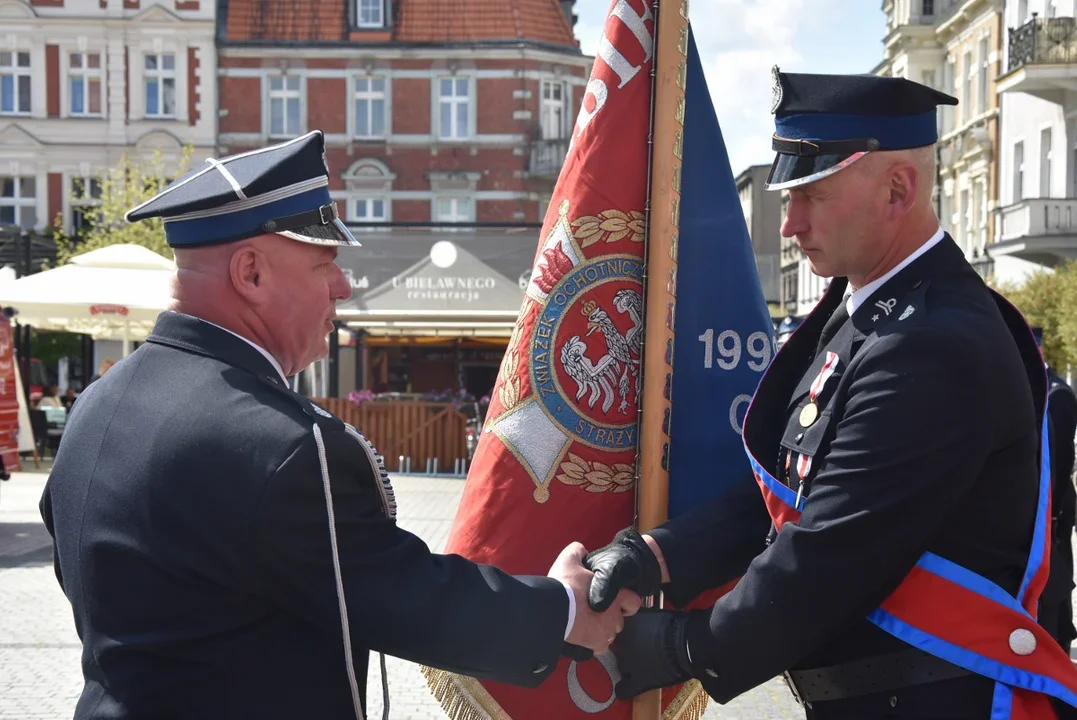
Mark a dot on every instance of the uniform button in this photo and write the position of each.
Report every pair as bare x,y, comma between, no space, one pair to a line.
540,668
711,673
1022,642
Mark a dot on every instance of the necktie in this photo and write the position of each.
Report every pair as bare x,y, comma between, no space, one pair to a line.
837,319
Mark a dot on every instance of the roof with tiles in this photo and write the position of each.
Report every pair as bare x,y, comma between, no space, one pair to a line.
413,21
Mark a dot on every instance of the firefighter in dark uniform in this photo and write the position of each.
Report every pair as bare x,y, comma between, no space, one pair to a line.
1056,603
890,551
229,548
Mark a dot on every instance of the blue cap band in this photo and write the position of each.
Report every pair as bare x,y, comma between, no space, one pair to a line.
237,224
892,132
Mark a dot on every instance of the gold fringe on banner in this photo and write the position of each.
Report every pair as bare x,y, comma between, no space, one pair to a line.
462,698
690,703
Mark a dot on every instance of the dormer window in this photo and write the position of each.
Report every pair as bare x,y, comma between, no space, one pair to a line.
370,13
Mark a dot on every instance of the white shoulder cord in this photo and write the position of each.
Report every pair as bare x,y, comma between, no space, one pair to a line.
350,663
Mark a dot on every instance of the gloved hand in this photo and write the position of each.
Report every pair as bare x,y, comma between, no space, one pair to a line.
626,563
652,652
576,652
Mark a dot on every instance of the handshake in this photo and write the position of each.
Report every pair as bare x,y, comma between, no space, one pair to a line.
608,585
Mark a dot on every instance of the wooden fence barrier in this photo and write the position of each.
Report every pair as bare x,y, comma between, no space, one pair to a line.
421,431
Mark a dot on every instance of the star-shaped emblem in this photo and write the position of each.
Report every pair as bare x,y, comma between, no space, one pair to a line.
875,318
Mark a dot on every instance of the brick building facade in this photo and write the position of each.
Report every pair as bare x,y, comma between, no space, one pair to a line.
433,112
84,81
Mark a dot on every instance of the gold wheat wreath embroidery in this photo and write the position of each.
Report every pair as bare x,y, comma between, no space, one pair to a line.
596,477
608,225
509,392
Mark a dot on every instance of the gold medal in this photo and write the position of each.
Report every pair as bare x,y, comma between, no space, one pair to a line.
809,414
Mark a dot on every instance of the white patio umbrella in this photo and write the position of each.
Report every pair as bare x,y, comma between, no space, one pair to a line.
115,293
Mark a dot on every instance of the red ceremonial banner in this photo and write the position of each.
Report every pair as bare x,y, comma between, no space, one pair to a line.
556,460
9,401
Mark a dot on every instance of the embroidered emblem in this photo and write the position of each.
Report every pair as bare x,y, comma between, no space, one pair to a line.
582,358
618,365
585,351
875,318
320,411
908,311
777,94
887,306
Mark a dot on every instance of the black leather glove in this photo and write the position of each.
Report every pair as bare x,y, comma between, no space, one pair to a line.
626,563
652,652
576,652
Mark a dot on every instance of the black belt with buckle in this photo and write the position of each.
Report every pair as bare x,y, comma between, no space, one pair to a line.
881,673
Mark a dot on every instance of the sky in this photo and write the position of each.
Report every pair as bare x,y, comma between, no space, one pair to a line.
740,40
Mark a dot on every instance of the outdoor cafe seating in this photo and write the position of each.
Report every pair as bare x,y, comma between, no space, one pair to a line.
48,426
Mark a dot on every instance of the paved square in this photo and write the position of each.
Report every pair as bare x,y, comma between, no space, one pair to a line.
40,676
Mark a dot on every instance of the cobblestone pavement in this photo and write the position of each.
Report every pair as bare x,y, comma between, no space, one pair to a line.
40,677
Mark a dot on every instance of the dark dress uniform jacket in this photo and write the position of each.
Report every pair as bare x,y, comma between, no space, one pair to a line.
192,539
927,440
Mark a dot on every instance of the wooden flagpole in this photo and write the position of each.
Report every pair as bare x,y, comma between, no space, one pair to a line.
663,221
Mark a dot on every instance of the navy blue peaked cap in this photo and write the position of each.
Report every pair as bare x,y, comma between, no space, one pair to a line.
823,123
281,189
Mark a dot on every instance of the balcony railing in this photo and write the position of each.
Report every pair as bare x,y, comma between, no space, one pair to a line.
547,156
1044,41
1040,216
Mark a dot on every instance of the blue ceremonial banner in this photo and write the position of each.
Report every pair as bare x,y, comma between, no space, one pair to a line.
724,334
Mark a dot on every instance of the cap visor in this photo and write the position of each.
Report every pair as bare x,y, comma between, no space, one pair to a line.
789,171
334,233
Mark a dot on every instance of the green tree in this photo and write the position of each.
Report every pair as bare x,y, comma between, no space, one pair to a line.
1049,299
126,185
49,346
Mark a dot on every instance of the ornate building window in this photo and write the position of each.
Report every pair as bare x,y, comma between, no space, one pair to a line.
84,84
453,196
15,83
285,106
18,201
371,106
369,184
159,84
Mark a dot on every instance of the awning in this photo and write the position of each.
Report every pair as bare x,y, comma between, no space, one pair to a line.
115,292
424,281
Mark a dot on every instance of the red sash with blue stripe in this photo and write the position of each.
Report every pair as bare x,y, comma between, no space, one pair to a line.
961,617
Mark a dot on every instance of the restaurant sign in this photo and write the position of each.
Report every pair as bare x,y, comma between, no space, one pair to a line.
462,289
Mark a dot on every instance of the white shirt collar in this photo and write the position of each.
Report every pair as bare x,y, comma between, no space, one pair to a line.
855,298
259,348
